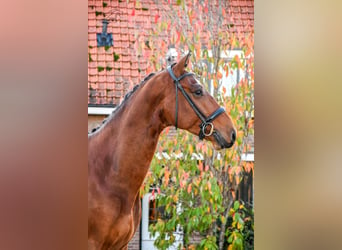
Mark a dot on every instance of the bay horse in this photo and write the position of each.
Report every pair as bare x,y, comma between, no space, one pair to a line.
121,150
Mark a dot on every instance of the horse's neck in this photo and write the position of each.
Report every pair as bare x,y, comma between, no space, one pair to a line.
129,140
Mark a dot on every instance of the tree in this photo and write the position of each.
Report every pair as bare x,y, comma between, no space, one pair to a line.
198,194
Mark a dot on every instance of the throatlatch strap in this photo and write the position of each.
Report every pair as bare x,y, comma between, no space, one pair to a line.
176,116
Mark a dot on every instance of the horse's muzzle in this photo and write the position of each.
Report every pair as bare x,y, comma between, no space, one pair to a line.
222,142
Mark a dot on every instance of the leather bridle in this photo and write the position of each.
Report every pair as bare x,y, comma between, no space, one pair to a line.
206,124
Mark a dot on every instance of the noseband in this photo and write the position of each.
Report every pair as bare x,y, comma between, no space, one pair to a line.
206,121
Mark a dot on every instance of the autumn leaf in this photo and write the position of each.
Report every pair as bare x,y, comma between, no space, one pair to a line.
185,176
237,179
250,123
190,16
156,17
215,83
178,36
198,50
175,198
237,59
209,186
200,166
249,166
189,188
240,133
166,130
226,70
205,148
191,149
166,176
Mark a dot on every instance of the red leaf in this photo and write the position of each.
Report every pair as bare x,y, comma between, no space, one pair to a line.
178,36
163,46
166,130
133,12
200,166
156,18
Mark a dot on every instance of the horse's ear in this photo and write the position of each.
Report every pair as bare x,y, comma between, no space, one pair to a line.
187,58
179,68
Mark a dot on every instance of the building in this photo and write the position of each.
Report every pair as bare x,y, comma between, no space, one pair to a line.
114,69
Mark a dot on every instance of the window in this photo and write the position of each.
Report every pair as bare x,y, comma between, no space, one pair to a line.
150,215
155,212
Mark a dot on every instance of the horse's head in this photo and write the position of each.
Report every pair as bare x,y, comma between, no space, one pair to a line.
189,106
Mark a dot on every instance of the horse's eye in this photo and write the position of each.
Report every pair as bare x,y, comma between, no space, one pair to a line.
198,92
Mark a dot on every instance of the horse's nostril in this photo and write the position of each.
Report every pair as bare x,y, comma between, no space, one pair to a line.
233,136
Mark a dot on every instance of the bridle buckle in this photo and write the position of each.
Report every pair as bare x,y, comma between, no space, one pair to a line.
204,129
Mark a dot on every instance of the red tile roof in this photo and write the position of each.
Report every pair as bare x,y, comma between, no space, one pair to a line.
115,70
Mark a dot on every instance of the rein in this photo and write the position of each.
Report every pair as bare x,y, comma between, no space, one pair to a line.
206,121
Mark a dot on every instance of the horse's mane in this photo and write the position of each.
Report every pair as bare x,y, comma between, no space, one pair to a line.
127,97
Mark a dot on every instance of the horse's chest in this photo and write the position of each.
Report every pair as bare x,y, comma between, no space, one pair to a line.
108,226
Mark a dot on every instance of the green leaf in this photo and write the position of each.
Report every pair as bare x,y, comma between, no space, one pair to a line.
236,217
104,4
100,68
116,57
97,13
230,239
108,68
90,58
236,205
238,243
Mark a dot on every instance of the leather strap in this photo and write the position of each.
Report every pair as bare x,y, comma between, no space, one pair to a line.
206,121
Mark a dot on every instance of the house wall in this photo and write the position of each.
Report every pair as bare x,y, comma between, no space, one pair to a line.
95,120
122,66
134,244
